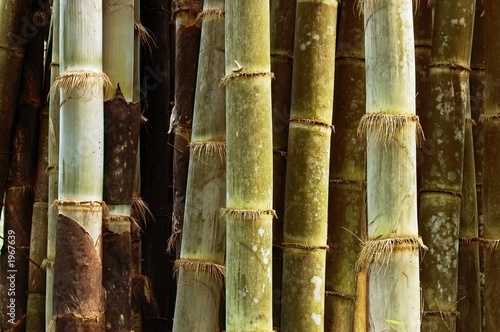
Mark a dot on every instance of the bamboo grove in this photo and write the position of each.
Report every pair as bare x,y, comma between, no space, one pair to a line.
250,165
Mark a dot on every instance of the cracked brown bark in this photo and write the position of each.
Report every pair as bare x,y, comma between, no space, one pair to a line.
187,42
282,33
19,191
442,168
156,172
347,197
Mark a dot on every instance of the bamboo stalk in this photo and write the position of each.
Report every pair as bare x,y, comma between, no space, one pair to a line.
347,196
201,264
52,169
491,164
19,192
469,278
282,34
306,201
249,167
187,42
156,171
13,39
442,170
391,128
78,297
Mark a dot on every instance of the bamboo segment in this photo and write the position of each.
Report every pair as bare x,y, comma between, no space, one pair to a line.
52,169
156,169
442,169
12,42
249,167
469,279
200,267
347,197
392,130
35,315
187,42
491,163
282,33
306,194
78,294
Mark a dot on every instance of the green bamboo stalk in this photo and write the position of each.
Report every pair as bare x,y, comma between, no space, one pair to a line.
306,193
282,34
249,167
442,169
35,314
347,197
78,297
491,164
53,168
187,43
120,156
469,279
12,42
201,264
19,192
392,128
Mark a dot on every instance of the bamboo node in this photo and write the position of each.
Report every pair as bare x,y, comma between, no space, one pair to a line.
385,125
285,246
440,191
210,14
449,65
191,7
314,123
209,148
342,296
488,118
226,79
74,80
6,153
492,245
91,205
446,314
243,214
199,267
92,316
381,251
470,241
47,264
282,55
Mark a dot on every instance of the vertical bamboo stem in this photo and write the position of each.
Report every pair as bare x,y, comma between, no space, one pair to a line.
347,197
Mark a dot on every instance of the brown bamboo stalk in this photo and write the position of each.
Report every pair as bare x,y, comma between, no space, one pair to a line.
491,163
156,171
347,198
442,169
19,192
282,33
187,43
13,38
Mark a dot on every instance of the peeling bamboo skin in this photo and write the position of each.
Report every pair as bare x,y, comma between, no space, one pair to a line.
11,59
249,167
347,195
187,42
306,202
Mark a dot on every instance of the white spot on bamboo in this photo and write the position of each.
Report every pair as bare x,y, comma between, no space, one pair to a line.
316,318
261,231
317,282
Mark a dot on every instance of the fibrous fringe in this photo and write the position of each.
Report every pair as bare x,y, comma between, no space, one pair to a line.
142,210
470,240
173,240
314,122
209,149
381,251
93,316
488,117
385,126
492,245
145,36
200,267
88,204
247,214
225,80
210,14
73,80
